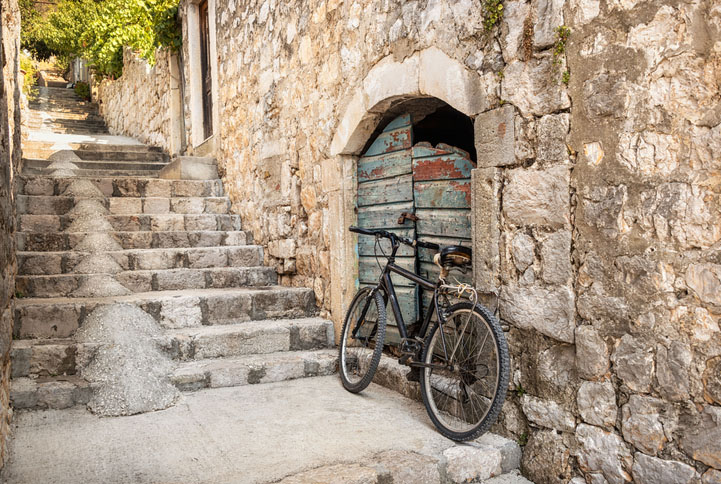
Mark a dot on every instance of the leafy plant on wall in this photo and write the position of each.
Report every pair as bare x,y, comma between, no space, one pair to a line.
98,30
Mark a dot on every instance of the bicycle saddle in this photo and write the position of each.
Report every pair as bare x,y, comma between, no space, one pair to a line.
456,256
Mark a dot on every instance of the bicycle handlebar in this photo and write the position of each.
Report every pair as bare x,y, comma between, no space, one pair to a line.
392,237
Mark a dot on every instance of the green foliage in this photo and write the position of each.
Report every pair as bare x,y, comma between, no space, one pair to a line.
523,439
99,29
30,33
519,391
566,77
559,50
492,13
82,89
559,47
27,65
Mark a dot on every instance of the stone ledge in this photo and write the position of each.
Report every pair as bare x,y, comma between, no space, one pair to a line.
190,168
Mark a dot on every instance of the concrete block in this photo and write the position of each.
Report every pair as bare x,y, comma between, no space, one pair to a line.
190,168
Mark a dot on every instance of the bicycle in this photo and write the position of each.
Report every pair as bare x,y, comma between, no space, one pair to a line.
463,378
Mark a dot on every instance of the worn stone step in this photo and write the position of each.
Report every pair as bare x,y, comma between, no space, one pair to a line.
88,165
67,262
255,337
57,392
122,186
60,205
121,155
55,129
68,122
59,242
127,223
61,317
53,147
94,173
75,285
52,357
252,369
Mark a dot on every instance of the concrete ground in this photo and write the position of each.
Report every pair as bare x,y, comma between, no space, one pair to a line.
255,433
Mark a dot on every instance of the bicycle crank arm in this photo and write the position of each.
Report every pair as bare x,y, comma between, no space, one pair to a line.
419,364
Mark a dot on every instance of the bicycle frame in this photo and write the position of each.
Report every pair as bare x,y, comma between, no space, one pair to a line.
387,284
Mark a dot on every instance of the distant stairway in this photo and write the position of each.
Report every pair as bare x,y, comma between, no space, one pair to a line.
97,227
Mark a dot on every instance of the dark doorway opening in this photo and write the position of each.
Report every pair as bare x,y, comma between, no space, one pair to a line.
434,121
207,85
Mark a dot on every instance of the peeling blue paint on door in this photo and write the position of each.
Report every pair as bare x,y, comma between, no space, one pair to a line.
434,183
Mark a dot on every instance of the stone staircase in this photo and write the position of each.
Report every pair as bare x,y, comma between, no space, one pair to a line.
98,227
60,110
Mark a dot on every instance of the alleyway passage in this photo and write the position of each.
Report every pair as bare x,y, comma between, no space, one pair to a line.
143,296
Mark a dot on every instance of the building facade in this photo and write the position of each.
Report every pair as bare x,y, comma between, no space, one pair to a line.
595,130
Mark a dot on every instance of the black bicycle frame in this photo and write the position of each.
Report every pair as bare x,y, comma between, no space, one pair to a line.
387,284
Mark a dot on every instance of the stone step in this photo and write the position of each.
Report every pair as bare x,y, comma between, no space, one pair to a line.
38,358
44,172
61,392
57,392
67,122
61,317
75,285
122,155
127,223
252,369
88,165
51,128
60,205
53,147
122,186
116,261
60,242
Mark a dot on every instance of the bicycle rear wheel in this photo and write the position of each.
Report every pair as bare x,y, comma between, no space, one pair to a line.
361,339
464,391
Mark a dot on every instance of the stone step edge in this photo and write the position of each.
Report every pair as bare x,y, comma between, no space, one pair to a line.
61,317
33,253
253,369
139,280
489,459
115,205
63,392
24,238
157,295
58,356
93,173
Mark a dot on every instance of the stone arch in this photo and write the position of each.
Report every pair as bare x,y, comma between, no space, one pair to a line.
427,73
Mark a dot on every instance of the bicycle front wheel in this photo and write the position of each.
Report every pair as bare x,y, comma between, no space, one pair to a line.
465,386
361,339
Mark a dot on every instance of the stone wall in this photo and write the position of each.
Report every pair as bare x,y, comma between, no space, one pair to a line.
138,104
596,197
9,160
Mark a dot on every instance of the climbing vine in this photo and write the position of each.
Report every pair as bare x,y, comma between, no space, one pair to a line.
99,29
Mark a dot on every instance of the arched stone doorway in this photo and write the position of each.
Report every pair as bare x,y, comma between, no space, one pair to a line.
427,80
413,182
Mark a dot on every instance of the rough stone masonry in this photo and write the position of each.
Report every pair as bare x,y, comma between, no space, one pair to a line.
9,161
596,198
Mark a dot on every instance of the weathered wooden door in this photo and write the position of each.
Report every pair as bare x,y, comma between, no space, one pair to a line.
433,183
207,85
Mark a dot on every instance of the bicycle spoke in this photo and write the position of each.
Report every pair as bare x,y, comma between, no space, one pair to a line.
463,393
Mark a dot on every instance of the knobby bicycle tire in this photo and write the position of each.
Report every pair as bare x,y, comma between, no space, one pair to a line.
443,419
348,325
